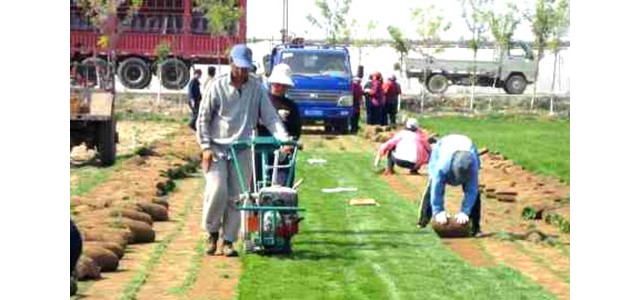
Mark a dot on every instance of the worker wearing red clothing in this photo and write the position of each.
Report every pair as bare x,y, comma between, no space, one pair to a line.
376,94
357,102
391,92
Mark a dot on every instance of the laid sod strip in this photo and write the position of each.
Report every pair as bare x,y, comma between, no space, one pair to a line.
133,287
349,252
540,261
537,144
194,270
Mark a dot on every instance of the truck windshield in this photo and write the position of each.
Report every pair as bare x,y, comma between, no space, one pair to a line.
313,64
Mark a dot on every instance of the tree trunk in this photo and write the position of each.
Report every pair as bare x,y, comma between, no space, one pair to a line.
159,85
473,80
535,77
553,82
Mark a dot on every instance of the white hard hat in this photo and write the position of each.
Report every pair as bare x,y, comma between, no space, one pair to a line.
281,74
412,123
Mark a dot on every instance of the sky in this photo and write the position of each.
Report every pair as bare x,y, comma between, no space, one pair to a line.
264,18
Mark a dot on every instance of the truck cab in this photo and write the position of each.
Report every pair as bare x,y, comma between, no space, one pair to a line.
322,78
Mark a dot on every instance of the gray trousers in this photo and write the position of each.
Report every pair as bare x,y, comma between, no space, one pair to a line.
222,195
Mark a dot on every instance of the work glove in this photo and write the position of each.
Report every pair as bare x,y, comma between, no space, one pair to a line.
462,218
441,217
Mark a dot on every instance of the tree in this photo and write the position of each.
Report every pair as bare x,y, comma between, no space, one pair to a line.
103,15
221,15
371,29
473,12
502,27
431,25
543,24
333,20
399,42
357,42
163,49
560,26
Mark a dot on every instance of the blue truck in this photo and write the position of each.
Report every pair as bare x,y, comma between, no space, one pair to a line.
322,78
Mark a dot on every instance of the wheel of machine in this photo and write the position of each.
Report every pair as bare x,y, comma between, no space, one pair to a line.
175,74
516,84
134,73
106,142
91,67
437,84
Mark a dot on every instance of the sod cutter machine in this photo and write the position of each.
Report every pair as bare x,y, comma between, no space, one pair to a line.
269,205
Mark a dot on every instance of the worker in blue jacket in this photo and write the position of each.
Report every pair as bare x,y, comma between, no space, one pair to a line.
454,160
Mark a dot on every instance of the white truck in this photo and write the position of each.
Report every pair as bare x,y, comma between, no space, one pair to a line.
512,72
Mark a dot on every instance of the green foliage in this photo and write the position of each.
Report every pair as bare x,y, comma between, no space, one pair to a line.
102,14
431,25
529,213
221,14
547,150
474,12
399,43
163,49
332,20
502,27
559,221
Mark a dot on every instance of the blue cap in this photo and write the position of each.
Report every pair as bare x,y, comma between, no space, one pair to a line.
241,56
461,166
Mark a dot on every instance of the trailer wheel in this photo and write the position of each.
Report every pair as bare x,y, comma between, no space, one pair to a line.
175,74
106,142
437,84
516,84
134,73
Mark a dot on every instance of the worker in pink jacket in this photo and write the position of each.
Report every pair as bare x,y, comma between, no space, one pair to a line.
408,149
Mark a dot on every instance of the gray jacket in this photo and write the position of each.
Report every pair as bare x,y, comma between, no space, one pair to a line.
228,114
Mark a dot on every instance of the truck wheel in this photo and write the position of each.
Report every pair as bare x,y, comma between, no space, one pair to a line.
339,126
437,84
107,142
134,73
175,74
91,67
516,84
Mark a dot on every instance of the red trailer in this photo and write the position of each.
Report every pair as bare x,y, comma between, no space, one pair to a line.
174,21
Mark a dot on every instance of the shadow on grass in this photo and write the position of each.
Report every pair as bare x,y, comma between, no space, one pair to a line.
95,162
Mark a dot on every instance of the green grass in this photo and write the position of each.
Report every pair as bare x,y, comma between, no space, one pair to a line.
540,145
346,252
91,176
150,116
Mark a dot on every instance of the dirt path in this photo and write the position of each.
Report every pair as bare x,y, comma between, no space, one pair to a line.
547,265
